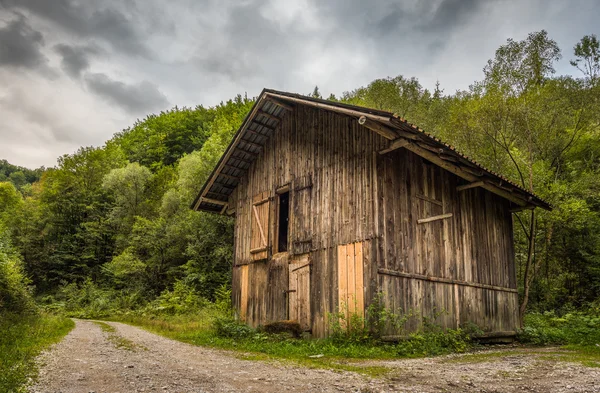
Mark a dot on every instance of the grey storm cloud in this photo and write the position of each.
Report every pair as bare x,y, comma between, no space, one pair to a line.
246,43
20,45
137,98
75,59
389,23
122,58
19,100
93,19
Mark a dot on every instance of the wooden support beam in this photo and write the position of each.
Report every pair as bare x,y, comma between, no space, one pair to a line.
379,128
224,208
521,208
234,167
265,125
433,149
329,106
408,135
257,250
464,173
280,103
430,200
268,115
213,201
226,176
256,145
434,218
253,132
396,144
225,196
242,160
443,280
470,185
250,153
226,187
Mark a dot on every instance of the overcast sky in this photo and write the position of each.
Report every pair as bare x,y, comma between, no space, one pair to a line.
72,73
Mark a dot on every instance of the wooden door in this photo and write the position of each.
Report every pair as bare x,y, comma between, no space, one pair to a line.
351,289
299,292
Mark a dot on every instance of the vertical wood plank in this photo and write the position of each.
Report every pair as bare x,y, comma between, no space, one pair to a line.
342,279
351,299
244,292
359,284
293,293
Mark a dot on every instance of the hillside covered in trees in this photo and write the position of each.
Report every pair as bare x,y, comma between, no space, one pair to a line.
110,228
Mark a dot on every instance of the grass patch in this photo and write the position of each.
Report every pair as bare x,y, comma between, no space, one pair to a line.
22,338
118,341
588,356
199,330
210,328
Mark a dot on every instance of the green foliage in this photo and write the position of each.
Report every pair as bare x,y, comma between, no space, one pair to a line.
587,57
128,186
519,65
23,337
14,293
160,140
126,268
182,299
230,328
88,300
580,328
433,343
19,176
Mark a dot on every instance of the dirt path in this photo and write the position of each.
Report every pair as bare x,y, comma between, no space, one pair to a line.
133,360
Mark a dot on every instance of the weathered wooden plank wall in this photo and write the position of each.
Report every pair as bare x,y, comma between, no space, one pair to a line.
474,245
343,192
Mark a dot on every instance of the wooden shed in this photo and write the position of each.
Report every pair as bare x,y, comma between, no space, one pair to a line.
335,205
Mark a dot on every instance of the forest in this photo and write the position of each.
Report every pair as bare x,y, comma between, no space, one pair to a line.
109,229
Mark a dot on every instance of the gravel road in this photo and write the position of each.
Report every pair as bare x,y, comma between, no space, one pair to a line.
133,360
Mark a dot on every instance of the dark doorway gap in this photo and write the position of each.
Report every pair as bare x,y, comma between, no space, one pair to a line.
283,224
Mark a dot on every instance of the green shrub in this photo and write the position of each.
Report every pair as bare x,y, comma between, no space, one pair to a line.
580,328
435,343
351,327
89,300
230,328
14,292
182,299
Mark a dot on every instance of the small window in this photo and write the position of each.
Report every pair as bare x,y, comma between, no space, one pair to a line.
283,219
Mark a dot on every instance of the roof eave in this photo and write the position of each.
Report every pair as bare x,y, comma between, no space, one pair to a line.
388,121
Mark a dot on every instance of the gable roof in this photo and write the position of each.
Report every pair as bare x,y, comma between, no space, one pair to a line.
270,107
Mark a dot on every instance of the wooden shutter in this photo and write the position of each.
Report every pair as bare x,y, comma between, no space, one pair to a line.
302,215
260,227
350,279
434,224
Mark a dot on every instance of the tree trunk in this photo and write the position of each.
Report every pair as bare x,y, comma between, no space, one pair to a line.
529,274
